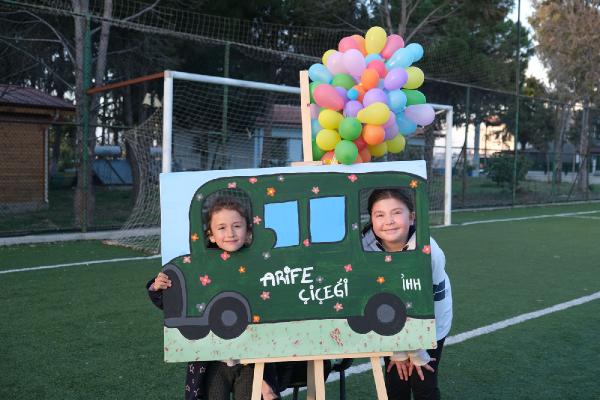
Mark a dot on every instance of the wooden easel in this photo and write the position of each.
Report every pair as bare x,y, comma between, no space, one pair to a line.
315,384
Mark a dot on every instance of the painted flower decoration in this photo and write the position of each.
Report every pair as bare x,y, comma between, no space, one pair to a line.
348,267
414,184
388,258
352,178
380,280
187,259
271,191
265,296
281,178
231,185
315,190
242,269
253,180
225,256
257,220
319,279
195,237
306,242
205,280
266,255
256,319
354,226
199,196
338,307
427,249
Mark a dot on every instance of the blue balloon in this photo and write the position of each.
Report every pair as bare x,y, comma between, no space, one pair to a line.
372,57
405,125
416,50
319,73
352,94
397,100
315,127
402,58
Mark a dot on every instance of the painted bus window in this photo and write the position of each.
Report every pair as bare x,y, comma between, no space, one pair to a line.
282,219
328,219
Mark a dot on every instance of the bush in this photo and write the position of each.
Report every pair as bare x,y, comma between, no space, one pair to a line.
500,168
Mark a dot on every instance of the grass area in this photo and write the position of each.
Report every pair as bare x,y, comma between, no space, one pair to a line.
113,206
90,331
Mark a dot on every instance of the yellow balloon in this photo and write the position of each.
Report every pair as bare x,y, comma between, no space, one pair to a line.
415,78
376,114
326,56
330,119
375,40
397,144
327,139
378,150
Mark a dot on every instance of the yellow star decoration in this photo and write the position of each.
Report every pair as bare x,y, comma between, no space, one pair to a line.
195,237
271,191
414,184
380,280
242,269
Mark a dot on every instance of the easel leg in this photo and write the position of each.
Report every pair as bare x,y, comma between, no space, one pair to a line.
315,380
257,381
378,377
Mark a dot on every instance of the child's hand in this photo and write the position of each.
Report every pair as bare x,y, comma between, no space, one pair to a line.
161,282
403,368
419,370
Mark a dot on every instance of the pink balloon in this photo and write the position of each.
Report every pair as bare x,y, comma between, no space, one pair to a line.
395,79
375,95
326,96
354,62
352,108
391,131
420,114
314,111
378,66
335,65
348,43
393,43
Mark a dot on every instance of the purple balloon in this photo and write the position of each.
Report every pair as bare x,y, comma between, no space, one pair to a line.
395,79
392,131
391,121
420,114
335,65
314,111
352,108
342,93
375,95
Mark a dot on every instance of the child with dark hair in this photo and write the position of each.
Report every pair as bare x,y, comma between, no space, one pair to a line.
392,228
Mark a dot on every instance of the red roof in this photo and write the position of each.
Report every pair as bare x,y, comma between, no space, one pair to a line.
11,95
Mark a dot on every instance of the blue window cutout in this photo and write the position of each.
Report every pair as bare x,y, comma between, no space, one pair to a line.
283,219
327,219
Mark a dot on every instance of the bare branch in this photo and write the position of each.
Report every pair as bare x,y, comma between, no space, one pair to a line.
60,37
426,19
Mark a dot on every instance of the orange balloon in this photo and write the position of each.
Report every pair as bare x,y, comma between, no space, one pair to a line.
358,159
361,43
365,154
361,92
373,134
369,78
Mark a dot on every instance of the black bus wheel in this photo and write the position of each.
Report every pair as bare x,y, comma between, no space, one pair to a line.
386,314
173,296
194,332
359,324
228,318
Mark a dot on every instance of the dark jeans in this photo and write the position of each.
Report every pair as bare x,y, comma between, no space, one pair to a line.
427,389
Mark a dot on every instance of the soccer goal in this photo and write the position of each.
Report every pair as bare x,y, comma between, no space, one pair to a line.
209,123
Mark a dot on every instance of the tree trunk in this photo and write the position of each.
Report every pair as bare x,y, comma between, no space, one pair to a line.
584,151
563,122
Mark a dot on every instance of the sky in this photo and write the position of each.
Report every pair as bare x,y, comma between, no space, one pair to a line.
535,67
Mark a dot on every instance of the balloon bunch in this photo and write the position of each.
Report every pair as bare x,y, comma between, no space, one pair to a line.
364,100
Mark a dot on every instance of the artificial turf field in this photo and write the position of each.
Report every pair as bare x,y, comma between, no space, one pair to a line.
89,331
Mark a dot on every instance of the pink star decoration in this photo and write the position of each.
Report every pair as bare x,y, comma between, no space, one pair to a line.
338,307
306,242
315,190
427,249
265,295
352,178
187,259
225,256
252,180
205,280
231,185
348,267
257,220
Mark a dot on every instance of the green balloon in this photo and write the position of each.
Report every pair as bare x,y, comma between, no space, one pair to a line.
346,152
350,128
317,152
344,80
311,87
414,97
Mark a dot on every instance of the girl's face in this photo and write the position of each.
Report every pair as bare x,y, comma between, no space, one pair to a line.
228,230
391,220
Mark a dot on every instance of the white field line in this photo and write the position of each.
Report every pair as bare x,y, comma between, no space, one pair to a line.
488,221
77,264
484,330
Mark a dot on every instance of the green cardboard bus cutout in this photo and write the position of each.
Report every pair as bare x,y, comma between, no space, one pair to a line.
304,286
